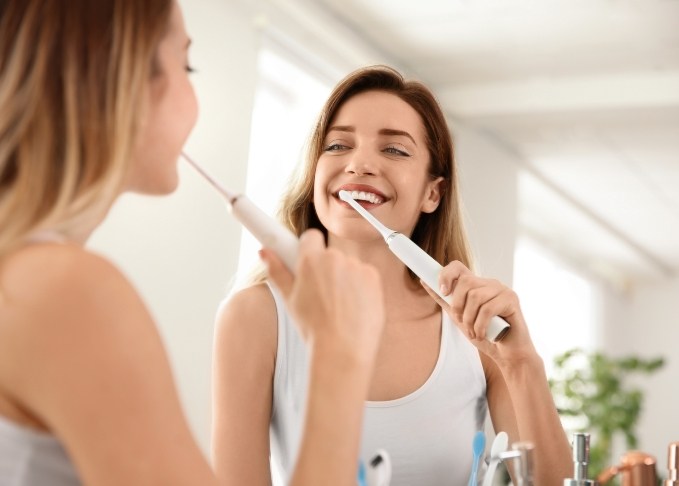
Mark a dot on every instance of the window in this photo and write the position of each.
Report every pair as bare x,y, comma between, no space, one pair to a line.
560,305
287,102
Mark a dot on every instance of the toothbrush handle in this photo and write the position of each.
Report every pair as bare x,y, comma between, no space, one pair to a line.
428,269
269,232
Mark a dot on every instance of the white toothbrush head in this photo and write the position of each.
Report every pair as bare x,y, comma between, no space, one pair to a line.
384,231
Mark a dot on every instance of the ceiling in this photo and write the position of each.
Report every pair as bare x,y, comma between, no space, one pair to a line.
585,92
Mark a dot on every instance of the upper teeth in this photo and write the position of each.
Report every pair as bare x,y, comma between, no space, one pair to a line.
366,196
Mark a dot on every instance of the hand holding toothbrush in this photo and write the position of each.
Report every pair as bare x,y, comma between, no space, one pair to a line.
336,300
519,397
420,263
474,301
338,305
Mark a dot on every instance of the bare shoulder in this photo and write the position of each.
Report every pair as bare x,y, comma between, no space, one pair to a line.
253,305
81,355
248,317
59,301
255,301
61,276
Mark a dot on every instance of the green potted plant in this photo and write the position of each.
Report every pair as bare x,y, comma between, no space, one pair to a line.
593,395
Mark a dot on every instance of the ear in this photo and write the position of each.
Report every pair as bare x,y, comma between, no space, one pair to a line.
432,195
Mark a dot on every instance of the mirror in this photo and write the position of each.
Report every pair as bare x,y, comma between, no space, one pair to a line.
566,122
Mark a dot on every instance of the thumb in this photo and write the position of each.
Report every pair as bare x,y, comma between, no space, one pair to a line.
443,303
279,274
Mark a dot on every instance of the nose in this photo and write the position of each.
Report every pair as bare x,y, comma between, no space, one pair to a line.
360,163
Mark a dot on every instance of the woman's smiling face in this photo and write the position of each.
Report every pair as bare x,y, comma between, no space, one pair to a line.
376,148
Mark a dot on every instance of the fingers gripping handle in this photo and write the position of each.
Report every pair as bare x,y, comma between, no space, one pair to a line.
428,269
269,232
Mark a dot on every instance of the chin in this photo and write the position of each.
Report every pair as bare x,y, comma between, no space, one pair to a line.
157,186
350,231
164,187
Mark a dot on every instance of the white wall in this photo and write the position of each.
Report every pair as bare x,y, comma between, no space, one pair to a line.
488,185
646,323
655,331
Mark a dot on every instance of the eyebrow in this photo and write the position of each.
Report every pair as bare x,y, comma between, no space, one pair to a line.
402,133
383,131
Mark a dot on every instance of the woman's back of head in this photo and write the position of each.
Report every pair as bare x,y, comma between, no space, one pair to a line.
73,84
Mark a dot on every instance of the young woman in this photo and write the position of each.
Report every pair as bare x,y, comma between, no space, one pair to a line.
386,140
95,100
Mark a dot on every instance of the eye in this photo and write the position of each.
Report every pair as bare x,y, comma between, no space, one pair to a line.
396,150
189,69
335,147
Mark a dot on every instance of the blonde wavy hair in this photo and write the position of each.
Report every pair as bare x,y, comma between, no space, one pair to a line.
440,233
74,78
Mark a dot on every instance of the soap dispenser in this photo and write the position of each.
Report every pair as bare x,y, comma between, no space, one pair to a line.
580,462
672,465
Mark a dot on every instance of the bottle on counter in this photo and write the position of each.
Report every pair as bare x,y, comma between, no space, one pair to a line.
580,462
636,468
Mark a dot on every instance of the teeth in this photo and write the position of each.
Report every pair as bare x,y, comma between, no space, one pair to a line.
366,196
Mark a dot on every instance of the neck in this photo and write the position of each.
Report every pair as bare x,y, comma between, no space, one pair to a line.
403,295
76,231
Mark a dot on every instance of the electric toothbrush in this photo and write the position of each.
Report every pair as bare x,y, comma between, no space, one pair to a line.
269,232
417,260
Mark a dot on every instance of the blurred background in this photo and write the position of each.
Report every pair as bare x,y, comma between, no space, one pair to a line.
565,116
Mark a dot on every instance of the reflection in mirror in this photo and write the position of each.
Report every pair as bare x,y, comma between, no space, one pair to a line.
565,117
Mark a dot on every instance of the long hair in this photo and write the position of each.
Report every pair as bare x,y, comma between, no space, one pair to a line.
440,233
74,81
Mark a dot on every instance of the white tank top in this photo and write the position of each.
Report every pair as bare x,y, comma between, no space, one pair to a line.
428,434
32,458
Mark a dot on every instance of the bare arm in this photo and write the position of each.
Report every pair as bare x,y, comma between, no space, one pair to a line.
86,360
524,390
519,397
244,360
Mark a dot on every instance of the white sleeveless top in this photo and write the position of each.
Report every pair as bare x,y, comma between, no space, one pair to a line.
428,434
32,458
